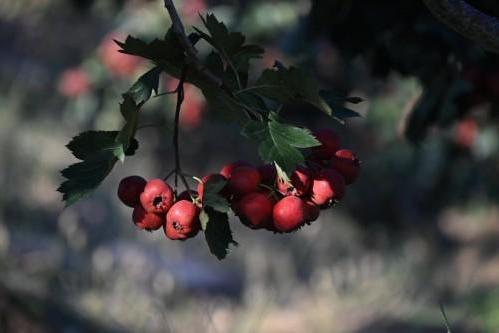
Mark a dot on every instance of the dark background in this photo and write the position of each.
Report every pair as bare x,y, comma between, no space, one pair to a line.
419,227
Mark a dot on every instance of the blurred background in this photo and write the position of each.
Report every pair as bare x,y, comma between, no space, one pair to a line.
419,227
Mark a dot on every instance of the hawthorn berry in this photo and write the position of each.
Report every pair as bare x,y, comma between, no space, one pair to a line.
327,187
346,163
299,183
129,190
255,209
74,82
313,211
268,174
227,169
244,180
117,63
182,220
289,214
330,143
157,196
145,220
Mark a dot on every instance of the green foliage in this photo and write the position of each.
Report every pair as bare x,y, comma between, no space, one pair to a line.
231,47
214,218
287,85
130,112
217,232
98,151
338,105
212,197
280,142
141,90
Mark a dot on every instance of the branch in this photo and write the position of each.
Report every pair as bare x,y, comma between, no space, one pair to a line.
468,21
180,100
190,51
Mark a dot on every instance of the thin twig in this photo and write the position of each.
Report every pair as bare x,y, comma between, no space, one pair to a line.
169,175
180,100
166,93
444,315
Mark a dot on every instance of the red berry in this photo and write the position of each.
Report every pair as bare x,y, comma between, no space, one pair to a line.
227,170
157,197
313,211
129,190
145,220
330,143
182,220
187,195
213,178
299,183
289,214
346,163
268,174
74,82
327,187
255,209
117,63
244,180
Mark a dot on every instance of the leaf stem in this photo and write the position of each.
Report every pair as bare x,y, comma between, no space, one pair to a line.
166,93
255,87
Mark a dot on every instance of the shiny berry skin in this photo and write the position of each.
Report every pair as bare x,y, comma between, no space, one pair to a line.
244,180
227,170
313,211
299,183
157,197
327,187
129,190
213,178
330,143
346,163
255,209
182,220
145,220
268,174
289,214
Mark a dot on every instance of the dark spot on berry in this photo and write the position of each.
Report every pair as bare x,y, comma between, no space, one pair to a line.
157,201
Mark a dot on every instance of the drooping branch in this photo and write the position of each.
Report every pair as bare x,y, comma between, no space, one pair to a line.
468,21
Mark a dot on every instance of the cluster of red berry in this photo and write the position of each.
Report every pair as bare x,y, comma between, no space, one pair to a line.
257,195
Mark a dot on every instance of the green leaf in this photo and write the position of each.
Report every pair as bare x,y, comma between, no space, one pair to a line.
281,174
232,49
159,50
130,111
83,177
90,143
212,197
217,233
279,142
286,85
338,105
142,89
99,151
